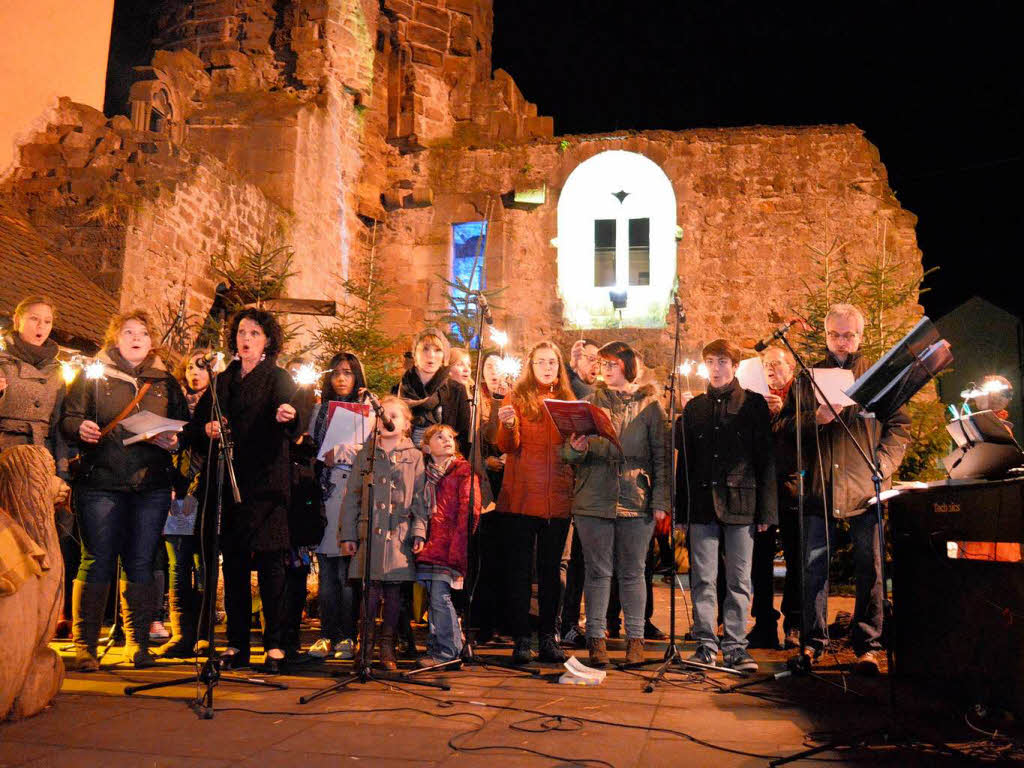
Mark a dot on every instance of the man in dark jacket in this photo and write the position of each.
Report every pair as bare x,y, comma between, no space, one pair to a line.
726,491
840,487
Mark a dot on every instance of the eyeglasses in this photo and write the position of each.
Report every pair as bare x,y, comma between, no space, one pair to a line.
833,336
609,364
590,358
545,363
773,363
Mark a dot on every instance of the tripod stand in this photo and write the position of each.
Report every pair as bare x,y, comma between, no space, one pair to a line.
209,674
364,672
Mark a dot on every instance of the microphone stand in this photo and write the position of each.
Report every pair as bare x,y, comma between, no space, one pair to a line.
363,671
209,674
468,656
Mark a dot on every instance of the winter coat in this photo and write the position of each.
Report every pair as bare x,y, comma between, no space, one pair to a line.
726,463
537,482
261,454
334,483
440,401
30,406
846,477
110,465
580,388
398,511
632,483
447,531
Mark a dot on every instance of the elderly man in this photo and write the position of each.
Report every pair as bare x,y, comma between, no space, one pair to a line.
840,487
779,367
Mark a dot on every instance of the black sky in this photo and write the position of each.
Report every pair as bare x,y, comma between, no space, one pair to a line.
939,92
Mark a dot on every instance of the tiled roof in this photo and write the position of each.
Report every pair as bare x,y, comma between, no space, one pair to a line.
28,265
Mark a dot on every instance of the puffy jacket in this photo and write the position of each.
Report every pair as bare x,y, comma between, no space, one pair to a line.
628,484
447,531
841,476
726,467
398,514
109,464
537,482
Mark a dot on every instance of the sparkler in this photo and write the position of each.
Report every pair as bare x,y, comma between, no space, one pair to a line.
500,338
68,372
702,372
307,375
686,369
94,370
509,367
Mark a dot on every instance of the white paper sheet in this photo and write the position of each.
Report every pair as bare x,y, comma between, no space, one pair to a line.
146,425
345,427
750,374
833,382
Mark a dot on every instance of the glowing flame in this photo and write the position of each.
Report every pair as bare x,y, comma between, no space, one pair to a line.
94,370
702,371
686,368
509,367
306,376
499,337
68,372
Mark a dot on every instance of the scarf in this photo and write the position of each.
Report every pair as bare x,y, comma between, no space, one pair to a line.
193,398
36,356
434,472
423,399
782,393
135,371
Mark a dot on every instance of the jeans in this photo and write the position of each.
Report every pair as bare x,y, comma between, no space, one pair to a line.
338,604
615,605
617,545
386,597
123,524
705,539
270,567
445,639
573,572
866,624
522,534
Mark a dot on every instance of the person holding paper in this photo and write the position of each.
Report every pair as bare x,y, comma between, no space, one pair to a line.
339,604
258,400
618,497
726,490
122,492
535,499
840,487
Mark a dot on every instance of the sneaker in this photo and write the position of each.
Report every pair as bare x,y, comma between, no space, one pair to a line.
651,632
321,649
550,650
741,661
575,638
522,654
345,650
704,655
867,664
157,631
792,638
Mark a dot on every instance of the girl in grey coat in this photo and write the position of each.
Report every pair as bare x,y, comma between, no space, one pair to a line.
398,520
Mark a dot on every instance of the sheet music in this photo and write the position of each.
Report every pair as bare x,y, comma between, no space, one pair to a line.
750,374
350,423
833,383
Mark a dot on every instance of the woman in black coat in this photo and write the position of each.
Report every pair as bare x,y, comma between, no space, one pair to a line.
258,400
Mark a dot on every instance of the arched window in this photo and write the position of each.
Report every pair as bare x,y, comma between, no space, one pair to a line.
616,235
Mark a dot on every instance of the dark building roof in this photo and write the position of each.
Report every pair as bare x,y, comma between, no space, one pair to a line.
28,265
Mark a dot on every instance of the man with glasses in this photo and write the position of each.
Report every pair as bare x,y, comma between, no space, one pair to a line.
840,487
583,367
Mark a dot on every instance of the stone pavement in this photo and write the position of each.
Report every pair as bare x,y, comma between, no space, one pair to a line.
489,717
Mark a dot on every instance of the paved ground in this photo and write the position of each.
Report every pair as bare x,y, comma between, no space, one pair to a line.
488,717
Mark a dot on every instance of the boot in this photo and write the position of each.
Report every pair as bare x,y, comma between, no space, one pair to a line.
138,612
184,620
88,601
598,648
634,650
387,649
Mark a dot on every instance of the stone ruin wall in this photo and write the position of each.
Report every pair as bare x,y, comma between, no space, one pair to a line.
752,202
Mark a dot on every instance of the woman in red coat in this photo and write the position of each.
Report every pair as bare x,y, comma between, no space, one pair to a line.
535,501
441,563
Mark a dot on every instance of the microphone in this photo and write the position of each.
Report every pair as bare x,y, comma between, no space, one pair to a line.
216,358
485,308
781,331
378,409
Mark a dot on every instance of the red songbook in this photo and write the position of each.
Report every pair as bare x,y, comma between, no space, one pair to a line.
578,417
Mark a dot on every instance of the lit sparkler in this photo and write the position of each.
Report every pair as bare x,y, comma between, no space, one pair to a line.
68,372
307,375
94,370
509,367
702,372
499,337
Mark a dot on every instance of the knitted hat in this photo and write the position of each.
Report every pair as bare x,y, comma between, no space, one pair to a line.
432,334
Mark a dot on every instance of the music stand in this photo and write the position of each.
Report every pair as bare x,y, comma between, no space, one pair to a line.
985,448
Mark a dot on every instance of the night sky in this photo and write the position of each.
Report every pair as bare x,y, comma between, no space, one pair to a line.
939,92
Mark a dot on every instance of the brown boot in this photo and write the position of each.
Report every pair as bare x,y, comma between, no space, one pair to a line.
138,612
387,649
635,650
88,601
598,648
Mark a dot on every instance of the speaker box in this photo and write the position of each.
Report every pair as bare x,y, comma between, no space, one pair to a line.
958,624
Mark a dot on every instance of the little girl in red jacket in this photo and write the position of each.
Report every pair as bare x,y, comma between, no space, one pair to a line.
441,564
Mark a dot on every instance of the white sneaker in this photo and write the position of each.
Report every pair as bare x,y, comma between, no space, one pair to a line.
321,649
345,650
157,631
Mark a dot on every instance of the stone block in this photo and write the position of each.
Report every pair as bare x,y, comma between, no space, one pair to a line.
462,39
391,199
470,7
428,56
428,36
77,140
223,57
400,7
434,17
543,127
